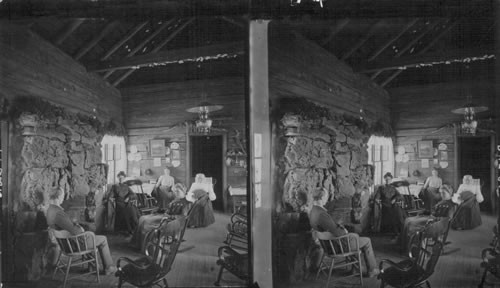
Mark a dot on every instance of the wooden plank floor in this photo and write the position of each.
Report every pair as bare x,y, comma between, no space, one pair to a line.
197,268
460,269
192,268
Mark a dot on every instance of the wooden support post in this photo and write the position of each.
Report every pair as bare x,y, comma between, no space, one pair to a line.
261,200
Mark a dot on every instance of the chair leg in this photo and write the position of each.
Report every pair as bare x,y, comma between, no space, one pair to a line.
57,265
360,270
330,274
483,279
120,282
320,266
165,283
96,254
67,272
217,282
382,284
428,284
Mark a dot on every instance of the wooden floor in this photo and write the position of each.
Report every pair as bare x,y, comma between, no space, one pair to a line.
197,268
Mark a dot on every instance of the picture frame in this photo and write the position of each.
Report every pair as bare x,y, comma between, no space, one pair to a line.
157,147
425,149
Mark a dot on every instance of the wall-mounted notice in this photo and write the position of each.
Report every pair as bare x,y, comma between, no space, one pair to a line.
258,195
425,163
157,162
257,170
257,144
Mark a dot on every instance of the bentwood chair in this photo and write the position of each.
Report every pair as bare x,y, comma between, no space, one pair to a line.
425,249
78,250
339,252
491,261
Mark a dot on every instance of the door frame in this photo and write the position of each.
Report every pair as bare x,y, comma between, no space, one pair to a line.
493,170
189,176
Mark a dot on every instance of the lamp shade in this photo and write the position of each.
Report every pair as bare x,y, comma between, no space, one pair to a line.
204,107
469,108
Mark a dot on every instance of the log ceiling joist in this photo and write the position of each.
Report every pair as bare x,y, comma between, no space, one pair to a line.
423,59
169,56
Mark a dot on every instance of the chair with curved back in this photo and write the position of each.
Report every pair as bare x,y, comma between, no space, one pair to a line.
160,249
79,250
491,261
425,249
339,252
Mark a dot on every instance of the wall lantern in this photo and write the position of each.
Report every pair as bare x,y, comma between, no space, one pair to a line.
29,122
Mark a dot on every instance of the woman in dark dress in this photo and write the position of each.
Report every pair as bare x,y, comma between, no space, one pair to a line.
204,215
127,214
388,197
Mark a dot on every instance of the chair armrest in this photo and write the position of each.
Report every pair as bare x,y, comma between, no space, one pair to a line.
488,252
132,262
394,264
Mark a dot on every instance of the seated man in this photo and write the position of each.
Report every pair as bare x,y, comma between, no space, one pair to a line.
321,221
127,214
57,219
393,215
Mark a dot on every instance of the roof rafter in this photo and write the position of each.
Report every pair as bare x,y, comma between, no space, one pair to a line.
122,41
393,39
158,48
86,48
75,23
335,31
427,47
144,42
363,40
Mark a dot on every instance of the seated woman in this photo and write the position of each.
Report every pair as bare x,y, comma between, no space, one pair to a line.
430,191
468,196
387,199
415,223
205,215
126,213
163,190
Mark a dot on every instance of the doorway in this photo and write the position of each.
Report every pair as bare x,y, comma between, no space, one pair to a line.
207,158
474,158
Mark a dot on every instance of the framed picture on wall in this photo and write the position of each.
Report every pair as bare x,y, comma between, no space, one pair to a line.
425,149
157,148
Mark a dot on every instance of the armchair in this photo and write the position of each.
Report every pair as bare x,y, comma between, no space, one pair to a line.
340,252
78,249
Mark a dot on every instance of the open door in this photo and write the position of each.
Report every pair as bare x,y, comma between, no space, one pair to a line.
206,154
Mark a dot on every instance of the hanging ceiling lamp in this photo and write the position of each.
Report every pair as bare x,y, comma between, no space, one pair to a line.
469,124
204,124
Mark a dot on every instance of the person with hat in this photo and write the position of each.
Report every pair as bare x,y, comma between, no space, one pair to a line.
127,214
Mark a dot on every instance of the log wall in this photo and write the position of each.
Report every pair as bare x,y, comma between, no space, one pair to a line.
424,113
159,112
31,66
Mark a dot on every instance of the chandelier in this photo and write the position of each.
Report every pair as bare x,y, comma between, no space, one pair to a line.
204,124
469,124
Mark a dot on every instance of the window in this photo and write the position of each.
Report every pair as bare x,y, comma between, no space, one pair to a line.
115,155
381,156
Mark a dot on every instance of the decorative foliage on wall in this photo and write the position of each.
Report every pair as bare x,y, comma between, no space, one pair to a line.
48,112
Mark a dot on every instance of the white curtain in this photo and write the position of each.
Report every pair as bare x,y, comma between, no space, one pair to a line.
114,153
381,156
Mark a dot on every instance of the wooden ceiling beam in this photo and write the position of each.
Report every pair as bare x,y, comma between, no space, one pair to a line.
335,31
144,42
427,47
75,23
424,59
122,41
416,39
235,22
363,40
393,39
169,56
86,48
157,48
